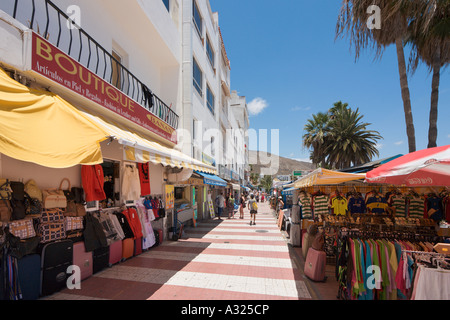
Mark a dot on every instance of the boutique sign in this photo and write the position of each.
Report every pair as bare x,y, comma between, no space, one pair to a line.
49,61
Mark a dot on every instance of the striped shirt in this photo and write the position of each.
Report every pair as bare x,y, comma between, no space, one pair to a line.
306,207
416,207
399,203
321,205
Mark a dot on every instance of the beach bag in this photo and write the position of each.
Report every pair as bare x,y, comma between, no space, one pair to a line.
5,189
74,209
24,229
33,190
52,231
54,198
74,223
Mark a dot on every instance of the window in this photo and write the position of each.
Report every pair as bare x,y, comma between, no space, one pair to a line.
210,51
210,100
167,4
198,78
197,19
116,70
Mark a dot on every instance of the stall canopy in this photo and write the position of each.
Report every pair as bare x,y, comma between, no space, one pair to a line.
40,127
139,149
326,177
212,180
424,168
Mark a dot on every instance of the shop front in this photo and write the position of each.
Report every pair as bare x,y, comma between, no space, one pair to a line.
85,138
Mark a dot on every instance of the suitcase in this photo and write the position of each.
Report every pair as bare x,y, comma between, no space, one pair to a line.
100,259
315,265
29,274
127,248
56,257
306,244
83,260
138,246
115,252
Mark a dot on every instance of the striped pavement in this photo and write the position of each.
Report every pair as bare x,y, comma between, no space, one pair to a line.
217,260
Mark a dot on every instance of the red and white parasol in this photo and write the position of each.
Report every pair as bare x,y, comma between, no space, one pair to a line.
424,168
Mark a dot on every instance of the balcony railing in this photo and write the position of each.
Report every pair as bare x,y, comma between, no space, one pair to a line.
46,19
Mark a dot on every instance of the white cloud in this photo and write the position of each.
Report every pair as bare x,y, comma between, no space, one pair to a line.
398,143
303,160
256,106
448,136
379,146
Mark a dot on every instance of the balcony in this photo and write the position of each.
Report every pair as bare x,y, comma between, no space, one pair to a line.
46,19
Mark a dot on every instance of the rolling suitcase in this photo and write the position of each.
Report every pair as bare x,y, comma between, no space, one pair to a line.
100,259
83,260
56,257
29,274
127,248
315,265
138,246
115,252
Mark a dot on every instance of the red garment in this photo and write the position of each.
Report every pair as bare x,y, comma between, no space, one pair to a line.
144,178
92,179
134,222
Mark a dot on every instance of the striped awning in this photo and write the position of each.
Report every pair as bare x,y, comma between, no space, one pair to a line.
139,149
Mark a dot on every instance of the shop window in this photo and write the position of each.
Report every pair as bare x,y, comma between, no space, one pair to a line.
111,172
179,193
116,79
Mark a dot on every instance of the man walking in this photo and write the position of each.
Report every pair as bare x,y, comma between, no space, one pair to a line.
220,200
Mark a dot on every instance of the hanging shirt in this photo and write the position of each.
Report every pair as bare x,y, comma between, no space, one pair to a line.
306,207
377,204
339,206
434,203
399,203
321,205
144,178
356,205
131,185
416,207
93,180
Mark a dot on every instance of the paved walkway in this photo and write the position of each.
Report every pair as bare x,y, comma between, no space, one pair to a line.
218,260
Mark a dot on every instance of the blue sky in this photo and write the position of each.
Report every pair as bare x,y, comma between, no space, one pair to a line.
284,53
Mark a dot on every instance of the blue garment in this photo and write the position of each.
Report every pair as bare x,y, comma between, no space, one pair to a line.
435,203
363,295
369,293
356,205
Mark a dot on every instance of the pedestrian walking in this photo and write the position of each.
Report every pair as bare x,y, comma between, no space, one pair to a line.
220,200
230,206
241,207
253,207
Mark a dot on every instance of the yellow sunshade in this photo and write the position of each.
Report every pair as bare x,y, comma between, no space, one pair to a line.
139,149
327,177
40,127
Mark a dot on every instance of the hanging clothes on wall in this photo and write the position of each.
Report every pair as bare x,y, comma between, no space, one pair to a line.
434,207
134,221
398,202
144,178
339,205
93,180
320,204
305,202
415,205
356,204
131,185
376,204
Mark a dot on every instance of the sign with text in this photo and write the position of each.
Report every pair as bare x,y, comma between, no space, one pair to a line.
170,196
49,61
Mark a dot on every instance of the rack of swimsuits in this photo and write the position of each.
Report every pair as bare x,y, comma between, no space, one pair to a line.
369,265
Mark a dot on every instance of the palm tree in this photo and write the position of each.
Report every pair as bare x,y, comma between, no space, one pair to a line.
315,137
349,141
267,183
352,21
429,35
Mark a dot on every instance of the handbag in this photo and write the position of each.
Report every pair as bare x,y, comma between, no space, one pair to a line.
5,211
24,229
78,195
32,205
52,231
19,248
18,190
67,192
74,209
74,223
52,216
18,209
161,210
54,198
5,189
33,190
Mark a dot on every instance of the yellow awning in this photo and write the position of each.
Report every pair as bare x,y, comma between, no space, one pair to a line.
40,127
139,149
327,177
